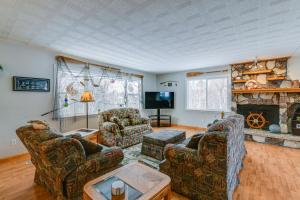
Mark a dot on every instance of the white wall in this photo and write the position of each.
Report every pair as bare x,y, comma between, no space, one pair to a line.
180,115
16,108
294,68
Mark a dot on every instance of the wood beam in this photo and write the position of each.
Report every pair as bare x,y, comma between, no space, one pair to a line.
107,68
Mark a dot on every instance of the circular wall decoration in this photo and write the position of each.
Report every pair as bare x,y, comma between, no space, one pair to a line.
235,74
251,84
256,120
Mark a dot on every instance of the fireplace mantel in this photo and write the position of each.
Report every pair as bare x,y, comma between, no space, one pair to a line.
268,90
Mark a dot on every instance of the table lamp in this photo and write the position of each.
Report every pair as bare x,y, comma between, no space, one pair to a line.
87,97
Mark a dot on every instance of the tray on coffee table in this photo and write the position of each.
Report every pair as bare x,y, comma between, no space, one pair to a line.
150,182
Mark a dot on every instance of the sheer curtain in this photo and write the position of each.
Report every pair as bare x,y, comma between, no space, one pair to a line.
111,89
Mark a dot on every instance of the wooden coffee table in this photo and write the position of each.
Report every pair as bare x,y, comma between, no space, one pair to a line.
152,183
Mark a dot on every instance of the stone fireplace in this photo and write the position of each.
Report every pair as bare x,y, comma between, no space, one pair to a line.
282,104
263,88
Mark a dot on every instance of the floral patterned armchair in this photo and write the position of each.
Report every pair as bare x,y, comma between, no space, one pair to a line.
122,127
65,164
208,168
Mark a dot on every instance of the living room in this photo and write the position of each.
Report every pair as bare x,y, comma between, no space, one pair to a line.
129,99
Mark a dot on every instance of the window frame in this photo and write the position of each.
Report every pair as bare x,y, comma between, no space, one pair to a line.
208,77
139,93
67,114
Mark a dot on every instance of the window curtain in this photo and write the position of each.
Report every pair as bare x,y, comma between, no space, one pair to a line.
111,89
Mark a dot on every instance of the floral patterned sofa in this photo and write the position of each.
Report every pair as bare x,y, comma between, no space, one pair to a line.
65,164
122,127
210,169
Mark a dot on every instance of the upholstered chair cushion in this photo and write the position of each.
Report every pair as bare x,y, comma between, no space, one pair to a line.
115,119
121,122
125,122
136,121
89,147
193,143
134,114
62,152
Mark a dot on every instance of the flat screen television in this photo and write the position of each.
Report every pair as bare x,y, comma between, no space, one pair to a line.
159,100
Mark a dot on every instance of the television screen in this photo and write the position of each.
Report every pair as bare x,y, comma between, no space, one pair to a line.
155,100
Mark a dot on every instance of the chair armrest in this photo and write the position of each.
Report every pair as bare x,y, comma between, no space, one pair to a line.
179,153
108,138
62,153
146,120
111,127
107,158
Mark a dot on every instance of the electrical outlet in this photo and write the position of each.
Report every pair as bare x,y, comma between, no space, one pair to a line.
28,162
202,122
13,141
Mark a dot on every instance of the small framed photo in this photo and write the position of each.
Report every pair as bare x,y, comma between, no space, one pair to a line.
31,84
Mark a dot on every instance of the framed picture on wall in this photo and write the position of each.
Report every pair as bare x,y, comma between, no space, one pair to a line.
31,84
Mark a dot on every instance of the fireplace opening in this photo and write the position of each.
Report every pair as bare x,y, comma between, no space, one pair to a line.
259,116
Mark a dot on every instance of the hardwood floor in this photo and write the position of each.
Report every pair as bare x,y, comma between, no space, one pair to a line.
269,173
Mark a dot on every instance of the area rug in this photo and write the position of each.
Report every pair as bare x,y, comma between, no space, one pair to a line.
133,154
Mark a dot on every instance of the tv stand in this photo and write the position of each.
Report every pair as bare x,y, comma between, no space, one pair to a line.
158,118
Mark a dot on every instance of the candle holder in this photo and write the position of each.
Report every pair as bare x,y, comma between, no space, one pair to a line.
118,190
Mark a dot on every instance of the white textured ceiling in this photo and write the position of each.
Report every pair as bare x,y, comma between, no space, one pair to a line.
156,35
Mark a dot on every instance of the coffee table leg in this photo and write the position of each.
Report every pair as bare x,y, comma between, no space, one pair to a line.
168,195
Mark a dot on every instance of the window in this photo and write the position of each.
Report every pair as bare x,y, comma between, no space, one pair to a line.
207,93
134,89
109,92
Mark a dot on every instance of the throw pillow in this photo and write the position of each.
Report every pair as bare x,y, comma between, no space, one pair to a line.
117,121
134,115
193,143
136,121
125,122
39,124
89,147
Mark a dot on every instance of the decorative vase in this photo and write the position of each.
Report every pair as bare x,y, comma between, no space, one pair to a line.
118,190
274,128
295,84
